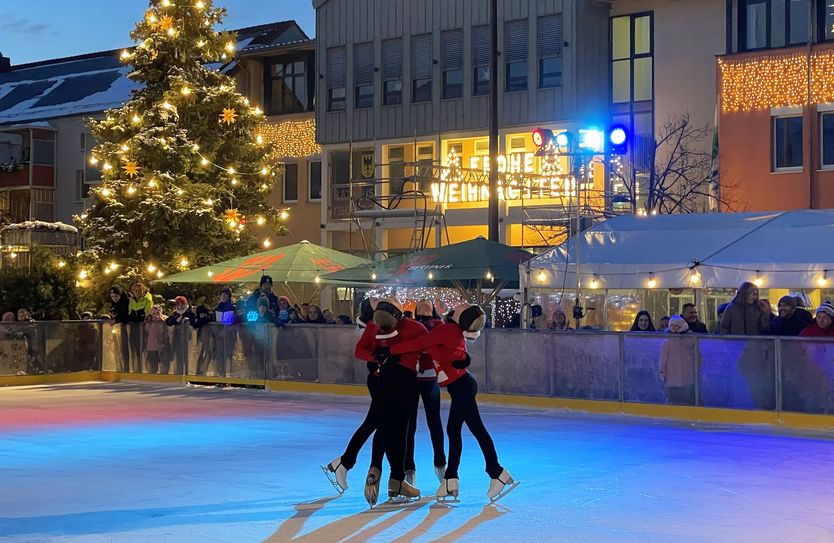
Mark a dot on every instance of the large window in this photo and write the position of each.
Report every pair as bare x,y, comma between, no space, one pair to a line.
550,41
392,72
363,75
787,143
287,90
632,56
451,62
480,60
290,182
336,93
315,181
826,19
515,55
767,24
421,68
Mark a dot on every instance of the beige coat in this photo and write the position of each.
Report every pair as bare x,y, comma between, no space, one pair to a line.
744,320
677,360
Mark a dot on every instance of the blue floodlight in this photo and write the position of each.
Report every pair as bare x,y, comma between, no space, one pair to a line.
618,138
562,139
592,140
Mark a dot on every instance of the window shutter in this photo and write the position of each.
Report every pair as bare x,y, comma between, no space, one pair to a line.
363,64
421,56
515,41
335,67
550,36
480,45
392,59
451,49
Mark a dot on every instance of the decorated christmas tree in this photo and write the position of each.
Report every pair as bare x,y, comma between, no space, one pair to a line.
185,171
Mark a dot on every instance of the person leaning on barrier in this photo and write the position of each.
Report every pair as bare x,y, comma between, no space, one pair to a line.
823,325
203,316
182,316
119,305
8,316
643,322
314,315
690,315
791,320
744,315
264,290
559,320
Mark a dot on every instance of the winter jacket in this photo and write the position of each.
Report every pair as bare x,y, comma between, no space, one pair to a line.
119,310
371,341
815,331
225,313
202,316
252,304
744,320
155,333
793,325
426,370
179,318
137,310
444,344
677,360
697,327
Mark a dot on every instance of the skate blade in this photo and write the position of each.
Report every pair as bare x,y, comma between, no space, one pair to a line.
332,478
447,499
506,490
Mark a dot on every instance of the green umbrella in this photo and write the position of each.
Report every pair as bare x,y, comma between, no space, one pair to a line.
472,265
303,262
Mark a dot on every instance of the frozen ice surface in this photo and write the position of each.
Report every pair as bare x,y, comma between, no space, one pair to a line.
103,462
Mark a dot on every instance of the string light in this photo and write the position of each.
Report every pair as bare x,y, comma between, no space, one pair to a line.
431,276
105,192
184,263
152,183
758,281
125,148
264,171
231,169
171,32
125,54
93,160
317,279
62,263
542,277
284,215
83,274
230,46
267,243
136,119
258,111
180,192
131,190
185,91
233,181
107,166
823,281
261,221
652,282
373,276
159,274
210,273
594,283
210,202
489,276
166,3
204,162
151,268
259,139
167,105
199,4
291,139
201,44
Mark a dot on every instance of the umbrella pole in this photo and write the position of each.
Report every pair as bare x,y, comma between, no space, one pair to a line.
295,297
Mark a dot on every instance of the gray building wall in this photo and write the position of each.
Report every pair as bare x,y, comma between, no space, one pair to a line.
583,95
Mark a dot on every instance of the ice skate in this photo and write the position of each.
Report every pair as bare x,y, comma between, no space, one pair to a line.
401,491
440,472
411,477
372,486
500,487
448,491
336,473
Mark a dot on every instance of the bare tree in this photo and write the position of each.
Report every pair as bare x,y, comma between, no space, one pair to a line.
679,170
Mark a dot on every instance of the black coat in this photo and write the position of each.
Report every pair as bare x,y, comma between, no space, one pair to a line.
179,318
119,310
793,325
252,302
698,327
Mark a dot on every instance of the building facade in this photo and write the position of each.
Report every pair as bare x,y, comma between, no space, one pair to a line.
777,105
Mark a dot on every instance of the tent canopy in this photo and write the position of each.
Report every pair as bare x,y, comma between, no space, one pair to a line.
299,263
470,265
790,249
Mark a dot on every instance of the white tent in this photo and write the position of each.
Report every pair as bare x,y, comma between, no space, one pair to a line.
790,249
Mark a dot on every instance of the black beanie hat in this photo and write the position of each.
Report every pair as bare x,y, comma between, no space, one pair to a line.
366,310
116,290
266,279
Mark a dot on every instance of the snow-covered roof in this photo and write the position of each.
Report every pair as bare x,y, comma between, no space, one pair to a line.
42,225
96,82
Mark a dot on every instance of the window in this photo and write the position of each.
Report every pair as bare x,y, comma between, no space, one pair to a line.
827,128
82,189
787,143
290,182
315,181
451,62
515,55
421,68
396,169
767,24
392,72
286,86
91,173
632,59
550,41
480,60
336,79
44,154
363,75
826,17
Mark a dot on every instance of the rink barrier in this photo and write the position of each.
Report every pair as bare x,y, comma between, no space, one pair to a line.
748,379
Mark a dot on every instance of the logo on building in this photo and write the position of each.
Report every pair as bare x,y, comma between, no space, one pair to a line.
367,165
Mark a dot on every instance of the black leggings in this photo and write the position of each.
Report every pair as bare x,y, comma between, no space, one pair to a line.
369,426
399,388
464,409
430,392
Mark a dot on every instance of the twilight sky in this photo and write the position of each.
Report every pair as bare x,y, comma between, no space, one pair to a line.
32,30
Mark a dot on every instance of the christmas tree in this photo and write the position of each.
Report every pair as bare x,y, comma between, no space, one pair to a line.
185,171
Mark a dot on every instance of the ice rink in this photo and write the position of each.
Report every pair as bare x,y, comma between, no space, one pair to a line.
103,462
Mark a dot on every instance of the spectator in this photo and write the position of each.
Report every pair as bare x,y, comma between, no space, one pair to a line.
265,289
343,319
406,315
119,303
294,316
559,321
720,313
767,309
226,312
182,316
426,314
690,315
677,364
155,341
139,307
663,324
314,315
791,320
328,316
8,316
304,312
537,319
744,315
822,325
205,338
87,346
264,315
283,316
225,339
643,322
23,315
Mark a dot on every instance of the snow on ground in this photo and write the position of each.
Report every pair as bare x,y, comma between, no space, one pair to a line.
104,462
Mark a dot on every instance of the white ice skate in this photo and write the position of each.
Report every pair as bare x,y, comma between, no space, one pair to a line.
448,491
372,486
336,473
411,477
500,487
440,472
401,491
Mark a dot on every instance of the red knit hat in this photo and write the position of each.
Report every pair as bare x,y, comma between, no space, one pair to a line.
182,299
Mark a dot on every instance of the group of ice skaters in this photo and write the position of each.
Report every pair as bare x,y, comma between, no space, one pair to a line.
409,359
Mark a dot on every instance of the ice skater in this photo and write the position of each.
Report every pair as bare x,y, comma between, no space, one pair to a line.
447,346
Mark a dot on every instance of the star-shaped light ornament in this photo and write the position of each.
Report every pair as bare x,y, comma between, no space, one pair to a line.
228,116
131,169
232,217
166,23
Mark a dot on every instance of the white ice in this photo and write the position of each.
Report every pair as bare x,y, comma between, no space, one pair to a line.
97,462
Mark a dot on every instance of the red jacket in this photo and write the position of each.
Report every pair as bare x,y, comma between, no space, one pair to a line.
813,330
427,371
407,330
445,344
